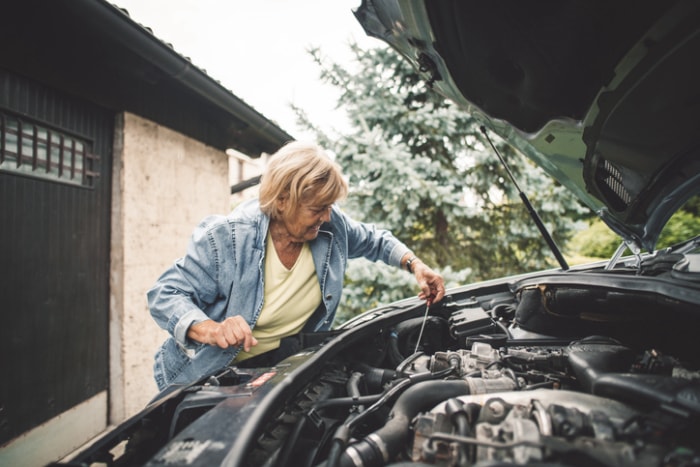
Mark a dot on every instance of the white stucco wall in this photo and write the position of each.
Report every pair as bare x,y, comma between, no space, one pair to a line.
164,184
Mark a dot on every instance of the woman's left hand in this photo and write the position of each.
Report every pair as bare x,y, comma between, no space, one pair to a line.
431,283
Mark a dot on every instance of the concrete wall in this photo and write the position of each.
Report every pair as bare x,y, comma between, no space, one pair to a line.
163,184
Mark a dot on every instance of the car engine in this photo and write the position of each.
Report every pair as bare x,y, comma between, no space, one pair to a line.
613,382
594,367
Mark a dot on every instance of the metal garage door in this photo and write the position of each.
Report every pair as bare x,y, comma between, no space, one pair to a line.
55,163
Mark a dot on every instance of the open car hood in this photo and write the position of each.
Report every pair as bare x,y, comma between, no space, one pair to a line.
604,96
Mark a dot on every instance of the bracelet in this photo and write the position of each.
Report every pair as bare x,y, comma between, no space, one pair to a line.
409,262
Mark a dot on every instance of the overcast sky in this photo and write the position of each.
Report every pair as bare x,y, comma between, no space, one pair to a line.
258,49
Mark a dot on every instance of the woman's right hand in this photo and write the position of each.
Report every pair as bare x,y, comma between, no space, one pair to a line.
233,331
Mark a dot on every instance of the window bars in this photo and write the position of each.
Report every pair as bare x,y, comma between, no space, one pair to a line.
35,150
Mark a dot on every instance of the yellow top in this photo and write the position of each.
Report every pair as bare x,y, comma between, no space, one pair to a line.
291,296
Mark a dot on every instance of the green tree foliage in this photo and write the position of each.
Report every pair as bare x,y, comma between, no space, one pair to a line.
595,242
419,166
599,242
683,225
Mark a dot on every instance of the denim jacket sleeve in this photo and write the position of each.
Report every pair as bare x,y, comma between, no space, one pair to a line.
375,244
190,285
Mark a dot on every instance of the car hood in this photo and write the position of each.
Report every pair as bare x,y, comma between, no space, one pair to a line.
603,95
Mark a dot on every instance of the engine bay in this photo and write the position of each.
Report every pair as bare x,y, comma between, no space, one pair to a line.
535,404
614,382
590,368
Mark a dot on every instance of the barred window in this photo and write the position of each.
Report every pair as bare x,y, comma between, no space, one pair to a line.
35,150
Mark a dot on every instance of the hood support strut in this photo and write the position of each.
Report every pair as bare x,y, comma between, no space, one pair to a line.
540,225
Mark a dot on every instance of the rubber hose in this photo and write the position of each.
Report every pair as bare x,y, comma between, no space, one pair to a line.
383,445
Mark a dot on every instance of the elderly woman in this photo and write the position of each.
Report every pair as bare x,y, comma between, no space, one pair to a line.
271,269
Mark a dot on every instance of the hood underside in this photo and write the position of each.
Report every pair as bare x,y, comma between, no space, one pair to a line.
603,95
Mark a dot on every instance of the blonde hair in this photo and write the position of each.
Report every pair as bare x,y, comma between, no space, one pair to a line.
301,172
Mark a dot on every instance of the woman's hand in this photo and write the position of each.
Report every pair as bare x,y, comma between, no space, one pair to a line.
431,283
233,331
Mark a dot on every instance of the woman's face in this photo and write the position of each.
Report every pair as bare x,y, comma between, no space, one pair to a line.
304,225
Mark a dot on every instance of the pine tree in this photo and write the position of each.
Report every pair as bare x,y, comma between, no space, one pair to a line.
418,166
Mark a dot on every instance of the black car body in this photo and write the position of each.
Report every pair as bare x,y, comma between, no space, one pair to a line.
581,366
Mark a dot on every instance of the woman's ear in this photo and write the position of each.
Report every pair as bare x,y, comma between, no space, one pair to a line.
281,203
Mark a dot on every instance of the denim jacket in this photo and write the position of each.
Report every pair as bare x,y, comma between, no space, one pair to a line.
221,275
